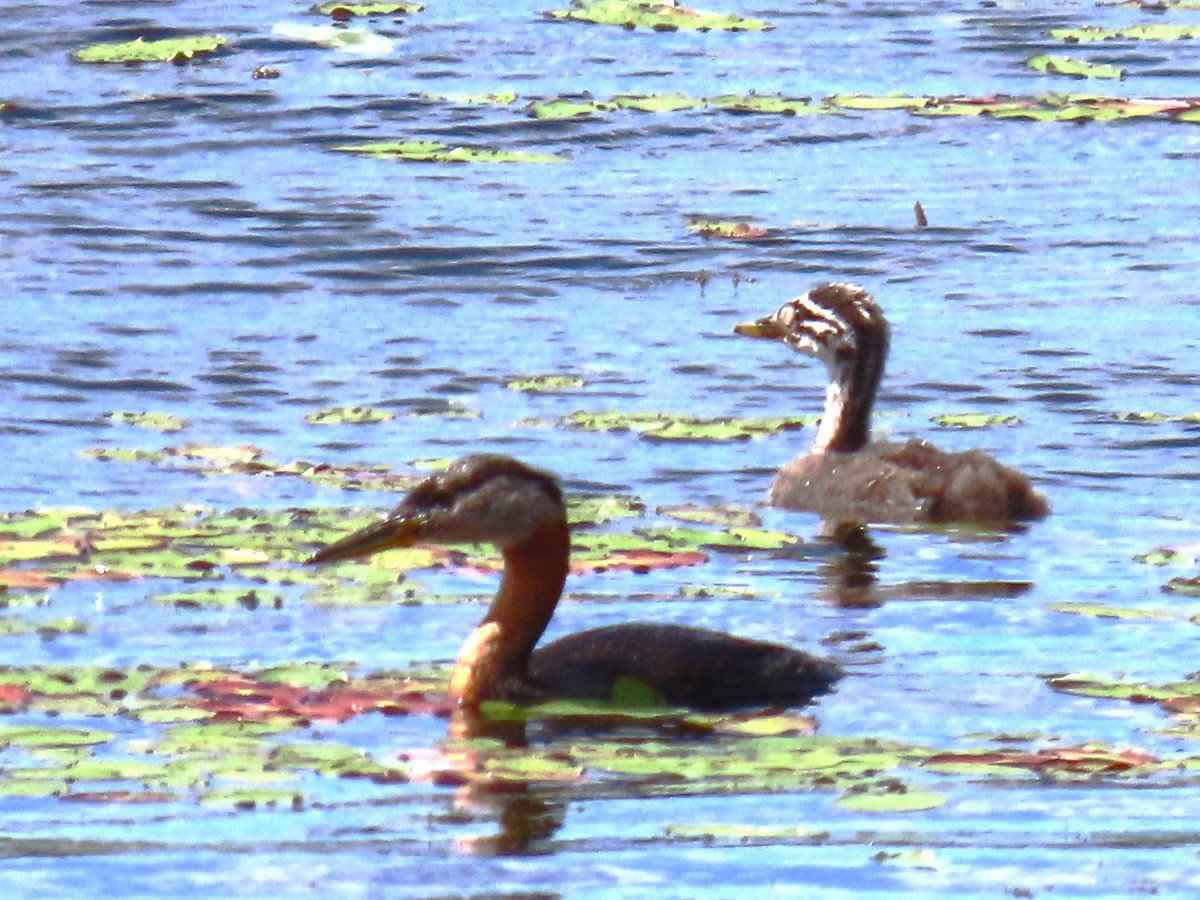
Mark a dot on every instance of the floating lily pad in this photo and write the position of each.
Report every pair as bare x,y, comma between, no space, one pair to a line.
745,834
150,421
500,98
876,101
1188,587
596,510
1166,556
587,107
924,859
1157,417
345,10
892,797
676,427
51,736
227,598
657,103
974,420
1066,65
659,16
738,231
545,384
1106,611
768,104
1087,759
739,538
1087,685
563,108
13,625
347,415
713,515
178,49
432,151
1091,33
346,40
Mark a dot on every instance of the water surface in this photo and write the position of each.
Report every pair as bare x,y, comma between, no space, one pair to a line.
186,239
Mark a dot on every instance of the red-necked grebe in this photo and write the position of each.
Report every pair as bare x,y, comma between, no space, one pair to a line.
496,499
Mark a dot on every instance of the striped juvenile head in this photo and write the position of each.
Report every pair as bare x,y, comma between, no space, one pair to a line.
833,322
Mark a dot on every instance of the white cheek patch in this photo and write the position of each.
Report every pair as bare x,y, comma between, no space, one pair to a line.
503,515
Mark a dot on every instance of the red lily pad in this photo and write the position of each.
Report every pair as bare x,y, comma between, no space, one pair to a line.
1085,759
639,561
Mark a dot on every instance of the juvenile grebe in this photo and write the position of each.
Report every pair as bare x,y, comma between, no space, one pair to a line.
845,478
496,499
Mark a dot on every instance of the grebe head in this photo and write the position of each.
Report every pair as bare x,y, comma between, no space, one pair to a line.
482,498
839,324
843,327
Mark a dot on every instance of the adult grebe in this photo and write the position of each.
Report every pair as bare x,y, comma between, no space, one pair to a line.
495,499
845,478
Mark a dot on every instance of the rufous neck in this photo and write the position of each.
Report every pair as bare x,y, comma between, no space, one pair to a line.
497,653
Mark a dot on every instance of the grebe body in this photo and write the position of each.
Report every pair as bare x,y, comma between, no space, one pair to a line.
846,476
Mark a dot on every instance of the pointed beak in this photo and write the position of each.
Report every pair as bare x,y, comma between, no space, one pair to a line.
768,327
402,530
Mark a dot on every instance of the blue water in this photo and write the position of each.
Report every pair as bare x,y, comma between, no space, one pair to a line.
185,239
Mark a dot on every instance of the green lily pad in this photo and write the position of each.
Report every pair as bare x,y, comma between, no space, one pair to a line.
38,522
335,37
894,797
500,98
42,736
738,231
179,49
345,10
42,787
744,834
564,108
1066,65
1166,556
545,384
596,510
713,515
653,14
768,104
151,421
676,427
1105,611
213,598
1087,685
13,625
1092,33
974,420
347,415
924,859
740,538
432,151
726,591
587,107
657,103
1157,417
876,101
252,798
1188,587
